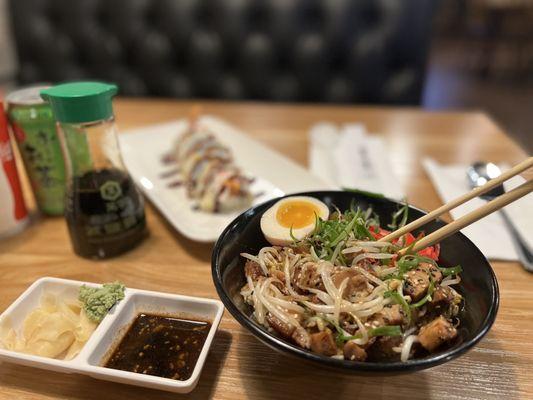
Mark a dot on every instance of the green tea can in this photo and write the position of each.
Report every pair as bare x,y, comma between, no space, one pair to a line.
34,128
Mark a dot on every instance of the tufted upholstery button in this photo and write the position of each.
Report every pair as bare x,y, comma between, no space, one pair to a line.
368,64
99,47
281,50
339,90
256,64
284,88
397,85
128,81
310,58
170,83
205,62
153,49
230,87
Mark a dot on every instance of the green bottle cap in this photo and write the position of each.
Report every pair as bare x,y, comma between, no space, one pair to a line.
78,102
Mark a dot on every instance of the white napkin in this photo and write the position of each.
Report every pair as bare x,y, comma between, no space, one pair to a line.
350,158
490,233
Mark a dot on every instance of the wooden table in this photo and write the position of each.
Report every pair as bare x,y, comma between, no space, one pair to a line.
239,366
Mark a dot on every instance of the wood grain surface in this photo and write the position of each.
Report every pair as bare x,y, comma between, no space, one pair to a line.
239,366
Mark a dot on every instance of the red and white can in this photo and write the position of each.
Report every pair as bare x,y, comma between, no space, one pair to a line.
13,212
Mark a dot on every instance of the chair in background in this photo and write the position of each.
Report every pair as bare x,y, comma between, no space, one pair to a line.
371,51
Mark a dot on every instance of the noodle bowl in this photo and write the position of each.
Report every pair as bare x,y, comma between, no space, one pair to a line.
342,293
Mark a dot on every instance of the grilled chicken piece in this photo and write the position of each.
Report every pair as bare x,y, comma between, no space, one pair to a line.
253,270
357,284
441,298
434,334
392,315
416,284
417,280
284,329
323,343
297,335
436,275
306,276
301,338
353,352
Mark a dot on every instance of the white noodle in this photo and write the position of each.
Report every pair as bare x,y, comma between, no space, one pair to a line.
287,305
357,249
450,281
375,256
336,252
406,348
250,283
288,280
275,311
360,309
369,276
263,254
322,296
376,292
259,309
324,269
373,244
362,330
388,271
338,300
250,257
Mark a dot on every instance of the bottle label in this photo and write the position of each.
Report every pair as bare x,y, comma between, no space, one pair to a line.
119,212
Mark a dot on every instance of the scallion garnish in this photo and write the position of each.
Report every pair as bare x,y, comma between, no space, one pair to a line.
390,330
404,213
427,297
451,271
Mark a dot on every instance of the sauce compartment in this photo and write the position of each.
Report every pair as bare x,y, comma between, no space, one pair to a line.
154,304
160,345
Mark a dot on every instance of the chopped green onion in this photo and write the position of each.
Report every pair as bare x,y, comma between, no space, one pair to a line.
341,338
410,261
427,297
386,261
345,232
451,271
427,260
294,238
404,212
390,330
362,231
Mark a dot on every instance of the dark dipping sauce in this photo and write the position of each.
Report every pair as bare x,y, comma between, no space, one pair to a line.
160,345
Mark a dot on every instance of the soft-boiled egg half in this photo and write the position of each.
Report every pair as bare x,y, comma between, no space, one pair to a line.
297,213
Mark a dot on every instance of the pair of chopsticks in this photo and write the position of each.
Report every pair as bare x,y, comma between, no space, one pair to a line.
465,220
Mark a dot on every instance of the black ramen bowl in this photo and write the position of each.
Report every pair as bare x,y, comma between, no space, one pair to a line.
478,287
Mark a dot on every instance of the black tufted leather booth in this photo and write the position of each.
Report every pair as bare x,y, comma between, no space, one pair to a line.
371,51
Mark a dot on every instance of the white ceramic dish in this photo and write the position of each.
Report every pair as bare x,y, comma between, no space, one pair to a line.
275,175
88,362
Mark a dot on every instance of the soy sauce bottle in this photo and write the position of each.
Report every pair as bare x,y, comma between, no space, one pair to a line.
103,209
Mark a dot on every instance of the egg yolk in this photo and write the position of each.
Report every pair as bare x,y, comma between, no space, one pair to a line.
296,214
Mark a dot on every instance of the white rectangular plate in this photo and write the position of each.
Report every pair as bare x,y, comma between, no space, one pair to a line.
89,360
275,175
